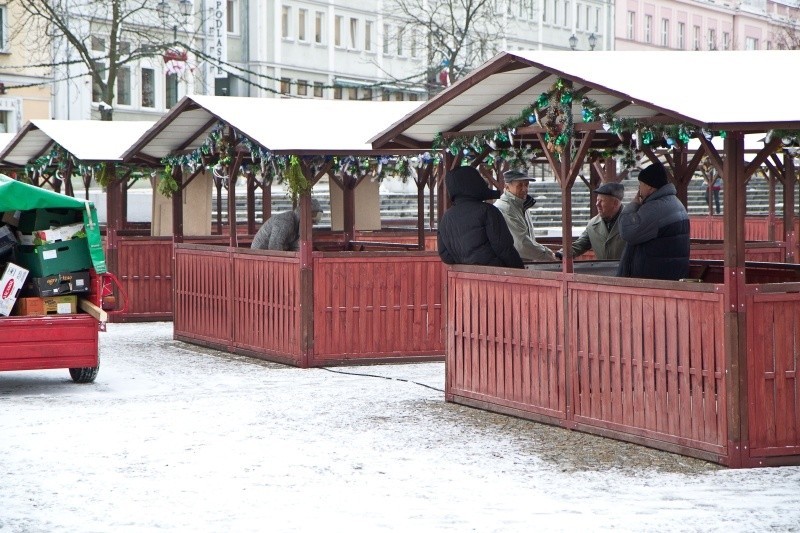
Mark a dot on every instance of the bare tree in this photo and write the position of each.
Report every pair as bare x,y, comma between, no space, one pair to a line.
94,37
459,34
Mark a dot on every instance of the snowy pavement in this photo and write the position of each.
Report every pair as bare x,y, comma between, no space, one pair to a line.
174,437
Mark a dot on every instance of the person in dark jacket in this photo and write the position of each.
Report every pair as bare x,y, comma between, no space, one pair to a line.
473,232
655,228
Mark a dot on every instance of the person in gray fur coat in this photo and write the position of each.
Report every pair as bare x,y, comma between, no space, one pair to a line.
282,231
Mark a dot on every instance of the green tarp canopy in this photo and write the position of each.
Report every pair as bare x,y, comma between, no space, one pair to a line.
18,196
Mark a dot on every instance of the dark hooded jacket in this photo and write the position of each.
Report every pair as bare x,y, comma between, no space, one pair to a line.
471,231
656,235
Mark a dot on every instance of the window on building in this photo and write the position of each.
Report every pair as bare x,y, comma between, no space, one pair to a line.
319,24
353,33
100,68
386,39
5,122
648,28
412,45
368,35
578,18
318,90
3,29
367,94
586,18
232,13
726,40
286,86
386,96
696,38
352,93
148,87
399,41
769,45
681,36
631,25
412,97
286,12
712,39
337,31
398,96
566,13
596,19
170,90
544,10
124,86
302,87
124,47
98,44
664,32
302,14
750,43
337,92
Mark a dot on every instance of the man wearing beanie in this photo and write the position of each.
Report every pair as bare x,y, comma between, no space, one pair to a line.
602,233
655,228
473,232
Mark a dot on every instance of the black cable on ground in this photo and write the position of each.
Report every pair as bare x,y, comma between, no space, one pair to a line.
377,376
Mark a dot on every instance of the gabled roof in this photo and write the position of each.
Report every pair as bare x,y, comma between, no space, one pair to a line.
741,90
86,140
289,126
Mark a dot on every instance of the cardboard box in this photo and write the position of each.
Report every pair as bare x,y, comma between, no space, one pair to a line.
38,219
10,284
52,305
55,258
12,217
58,284
8,245
46,236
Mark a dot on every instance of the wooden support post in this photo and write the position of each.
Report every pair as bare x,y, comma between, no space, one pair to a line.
734,176
423,176
306,283
594,182
177,206
114,201
790,236
232,175
250,181
771,179
68,179
349,208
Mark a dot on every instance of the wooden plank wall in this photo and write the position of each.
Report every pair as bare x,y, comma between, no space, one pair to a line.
760,253
650,362
203,290
144,268
505,342
755,228
266,303
773,333
377,306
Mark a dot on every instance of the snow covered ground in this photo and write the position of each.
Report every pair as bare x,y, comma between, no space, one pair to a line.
178,438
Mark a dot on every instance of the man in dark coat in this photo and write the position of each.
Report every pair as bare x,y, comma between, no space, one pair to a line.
473,232
282,231
655,228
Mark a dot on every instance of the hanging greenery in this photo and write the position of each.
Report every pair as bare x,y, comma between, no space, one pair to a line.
103,175
296,182
167,184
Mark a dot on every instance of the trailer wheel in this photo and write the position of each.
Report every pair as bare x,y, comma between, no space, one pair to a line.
85,374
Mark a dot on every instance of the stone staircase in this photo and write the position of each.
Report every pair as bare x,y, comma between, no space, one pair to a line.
400,210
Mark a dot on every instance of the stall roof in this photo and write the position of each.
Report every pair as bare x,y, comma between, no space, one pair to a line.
737,90
86,140
289,126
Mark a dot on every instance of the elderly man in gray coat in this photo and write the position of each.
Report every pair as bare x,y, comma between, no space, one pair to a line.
282,231
602,233
513,204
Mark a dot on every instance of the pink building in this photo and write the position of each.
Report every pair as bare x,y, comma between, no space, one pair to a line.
705,25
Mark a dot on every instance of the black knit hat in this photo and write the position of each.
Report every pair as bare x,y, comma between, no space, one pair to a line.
655,176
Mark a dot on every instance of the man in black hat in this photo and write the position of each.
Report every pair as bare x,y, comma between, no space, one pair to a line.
513,203
473,232
655,228
602,232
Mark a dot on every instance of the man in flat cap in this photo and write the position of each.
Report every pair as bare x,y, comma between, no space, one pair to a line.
602,232
655,228
513,203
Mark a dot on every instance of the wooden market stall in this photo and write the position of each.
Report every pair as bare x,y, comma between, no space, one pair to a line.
340,299
46,151
704,369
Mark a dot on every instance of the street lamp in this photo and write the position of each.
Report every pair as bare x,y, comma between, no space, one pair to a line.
573,41
592,41
164,12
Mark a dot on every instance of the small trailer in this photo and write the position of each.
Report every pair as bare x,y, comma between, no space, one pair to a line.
68,339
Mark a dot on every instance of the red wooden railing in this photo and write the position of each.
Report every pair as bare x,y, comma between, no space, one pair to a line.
773,332
377,306
144,268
